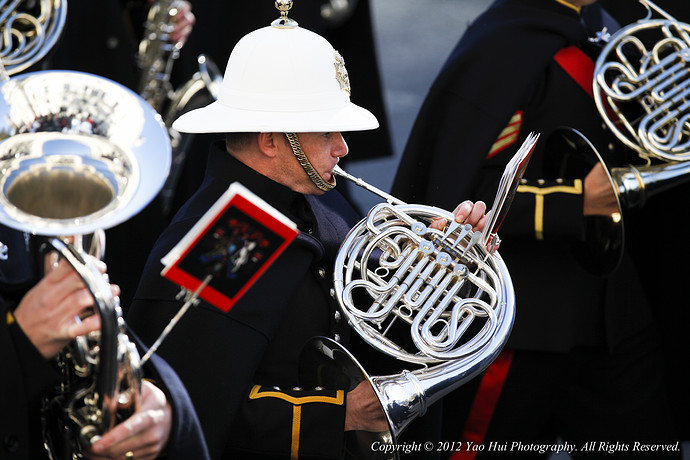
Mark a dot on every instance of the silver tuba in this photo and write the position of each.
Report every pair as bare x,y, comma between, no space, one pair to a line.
79,154
442,300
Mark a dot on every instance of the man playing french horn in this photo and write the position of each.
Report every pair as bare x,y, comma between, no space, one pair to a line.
283,106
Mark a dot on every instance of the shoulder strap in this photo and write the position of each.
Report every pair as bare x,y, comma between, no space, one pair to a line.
578,65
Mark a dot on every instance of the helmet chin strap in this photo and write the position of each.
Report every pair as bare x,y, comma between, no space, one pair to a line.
306,165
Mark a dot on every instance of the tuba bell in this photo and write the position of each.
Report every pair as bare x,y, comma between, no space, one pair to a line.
440,300
78,154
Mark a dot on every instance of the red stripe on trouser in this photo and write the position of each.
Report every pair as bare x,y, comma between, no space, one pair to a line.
484,404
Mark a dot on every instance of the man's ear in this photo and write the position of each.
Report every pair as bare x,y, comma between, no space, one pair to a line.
269,143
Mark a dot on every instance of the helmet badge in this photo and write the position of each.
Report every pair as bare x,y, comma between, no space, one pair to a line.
341,72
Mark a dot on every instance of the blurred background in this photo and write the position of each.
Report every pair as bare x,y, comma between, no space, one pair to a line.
413,40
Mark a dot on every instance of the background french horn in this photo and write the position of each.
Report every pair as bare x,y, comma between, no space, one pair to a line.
641,89
441,300
30,29
78,154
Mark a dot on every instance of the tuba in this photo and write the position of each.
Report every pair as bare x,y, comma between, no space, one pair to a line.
641,89
441,300
78,154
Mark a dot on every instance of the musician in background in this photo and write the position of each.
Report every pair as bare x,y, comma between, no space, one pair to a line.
583,362
666,286
38,321
283,106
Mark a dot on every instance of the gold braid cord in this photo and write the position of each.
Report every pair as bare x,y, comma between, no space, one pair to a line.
306,165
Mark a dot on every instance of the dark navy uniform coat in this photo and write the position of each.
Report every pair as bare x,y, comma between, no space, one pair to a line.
241,367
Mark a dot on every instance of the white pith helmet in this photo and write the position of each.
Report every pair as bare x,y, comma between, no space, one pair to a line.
281,78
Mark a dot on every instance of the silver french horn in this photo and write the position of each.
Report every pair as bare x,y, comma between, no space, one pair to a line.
642,84
30,29
641,89
79,154
441,300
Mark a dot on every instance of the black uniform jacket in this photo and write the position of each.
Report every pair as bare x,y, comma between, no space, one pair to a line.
499,84
27,376
241,367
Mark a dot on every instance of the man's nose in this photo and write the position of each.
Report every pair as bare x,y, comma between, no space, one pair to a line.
341,149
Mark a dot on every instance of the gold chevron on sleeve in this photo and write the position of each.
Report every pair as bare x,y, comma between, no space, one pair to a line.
539,193
297,402
509,135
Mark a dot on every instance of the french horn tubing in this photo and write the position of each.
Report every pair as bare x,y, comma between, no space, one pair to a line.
441,300
641,87
642,91
29,30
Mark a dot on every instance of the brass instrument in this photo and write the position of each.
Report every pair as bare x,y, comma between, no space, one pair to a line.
30,29
100,372
157,53
156,56
641,92
442,300
201,88
79,154
641,89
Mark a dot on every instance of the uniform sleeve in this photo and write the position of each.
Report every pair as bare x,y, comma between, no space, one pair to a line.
25,375
37,373
186,438
290,423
